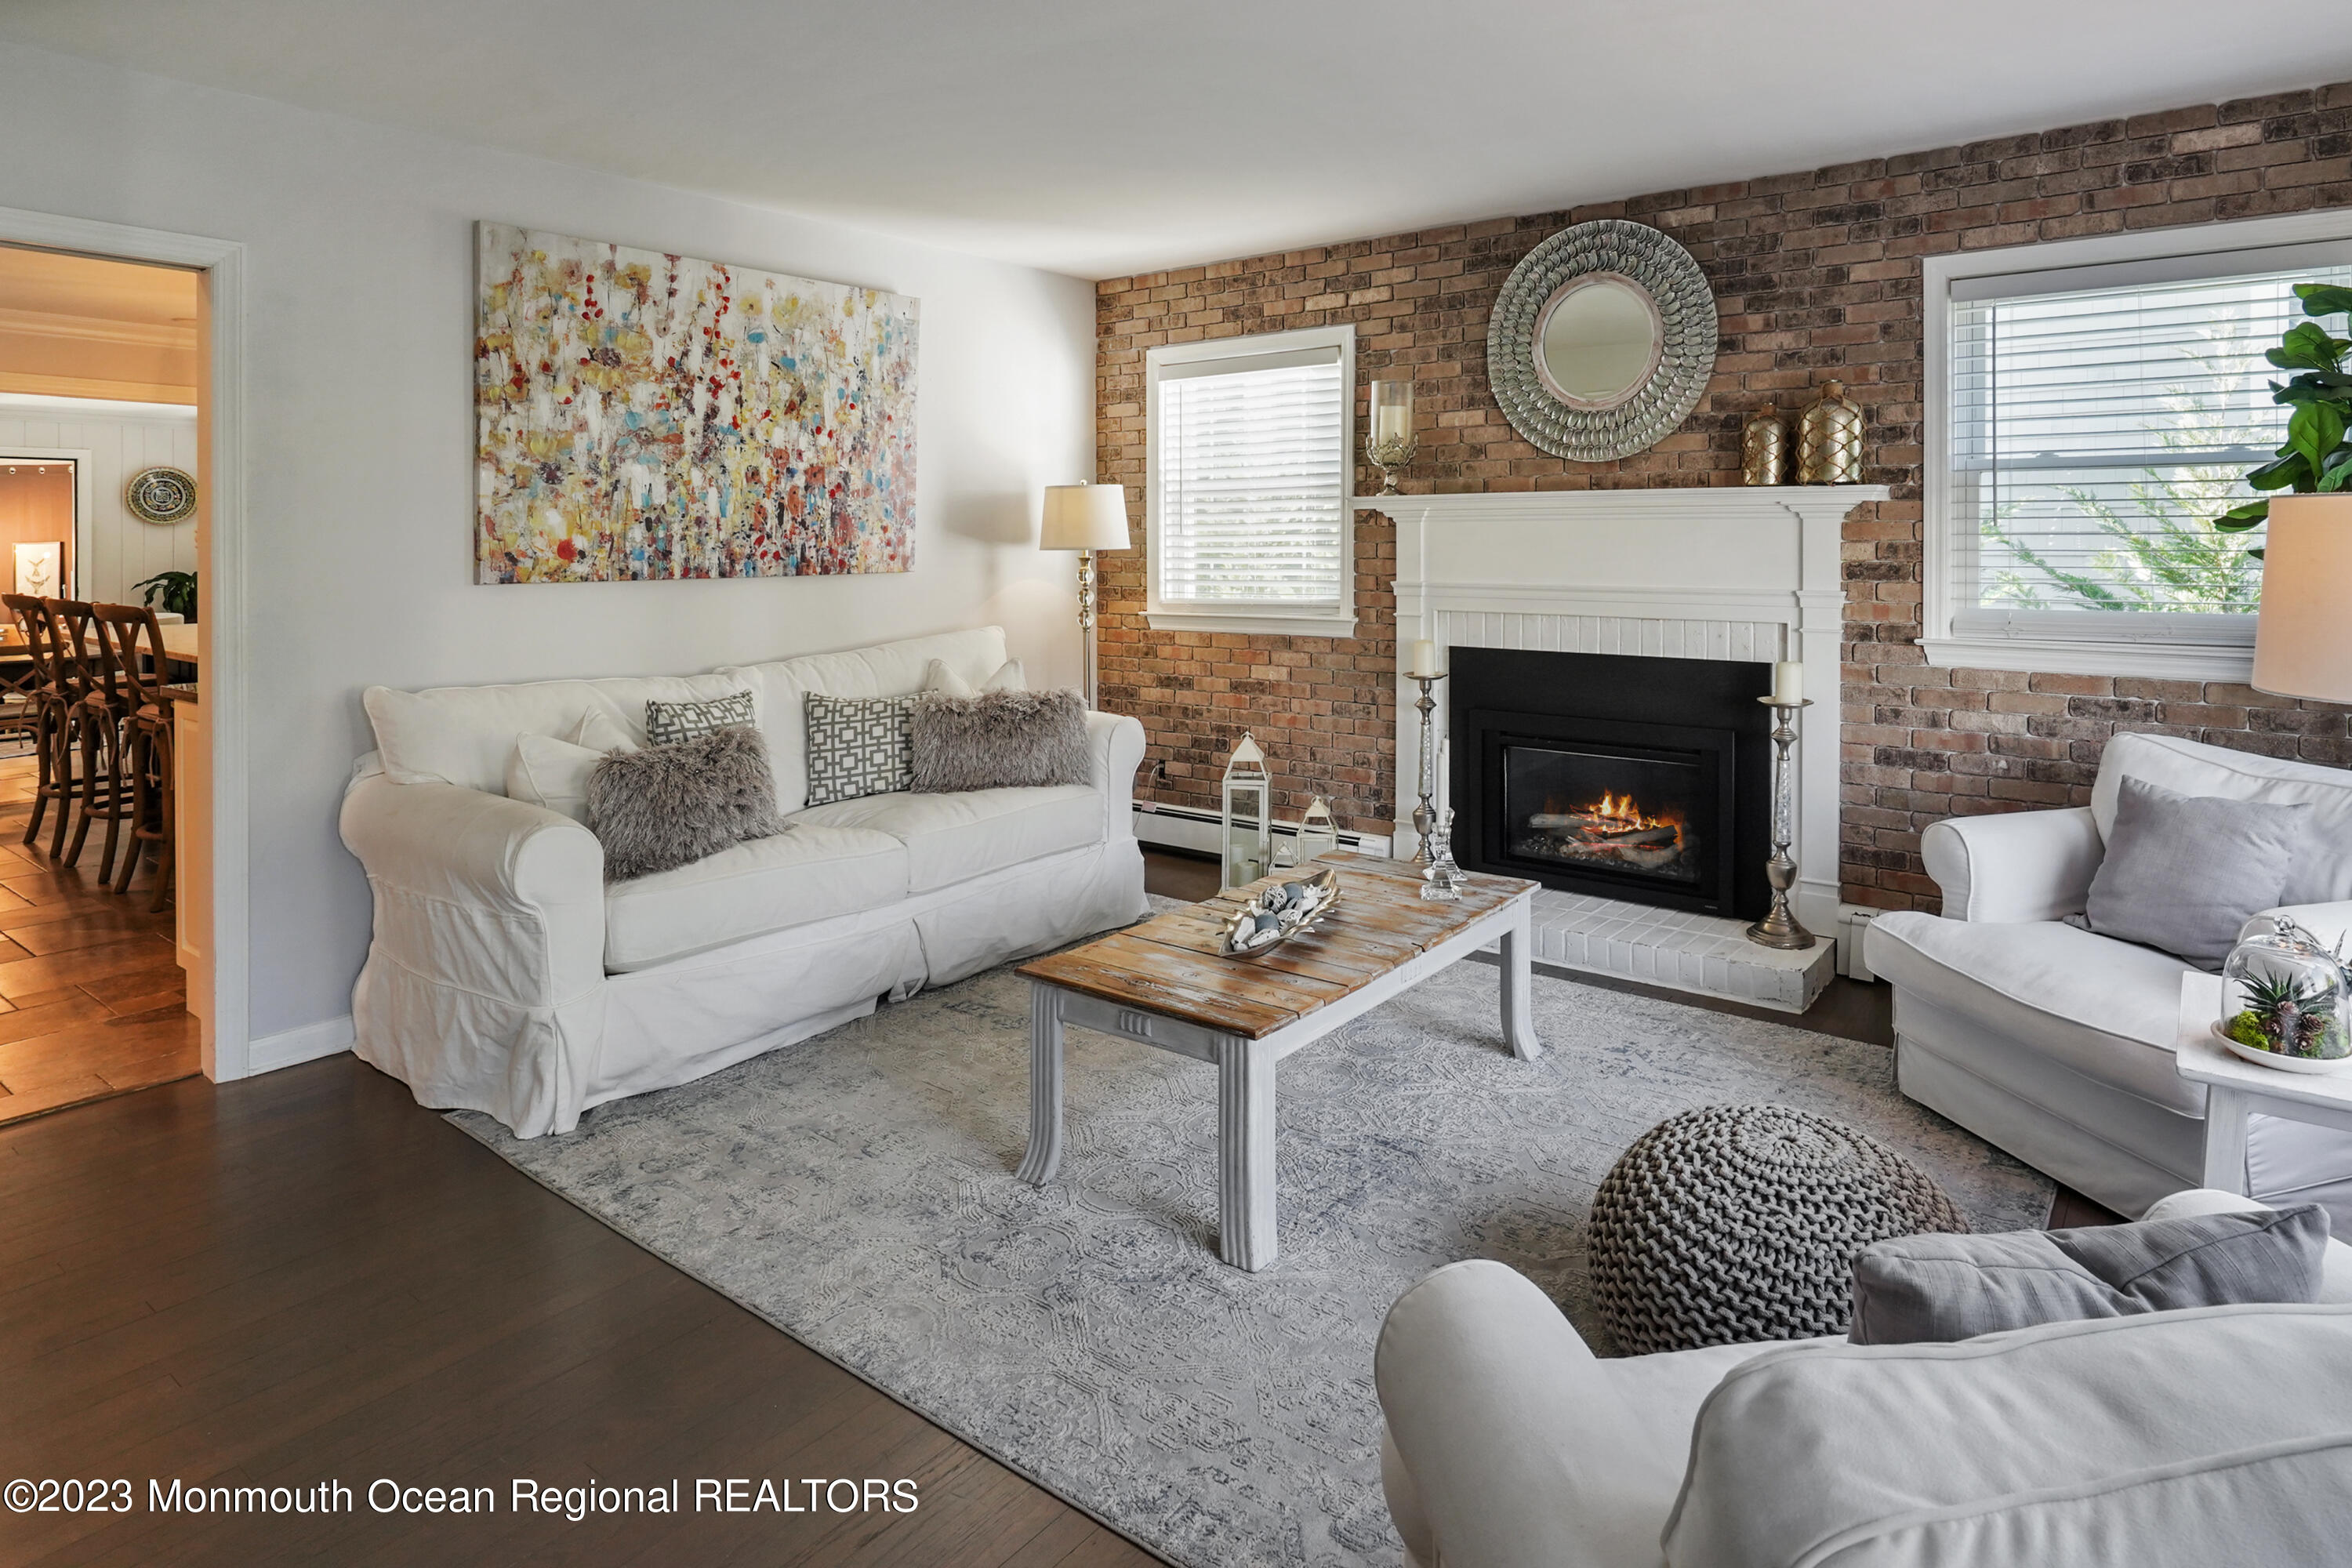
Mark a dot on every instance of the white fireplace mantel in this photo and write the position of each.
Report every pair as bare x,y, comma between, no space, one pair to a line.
1723,572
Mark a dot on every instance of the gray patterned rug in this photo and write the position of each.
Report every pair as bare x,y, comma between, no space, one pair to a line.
857,1191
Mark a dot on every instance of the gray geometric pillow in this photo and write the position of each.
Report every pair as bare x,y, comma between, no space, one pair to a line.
667,723
1940,1288
858,746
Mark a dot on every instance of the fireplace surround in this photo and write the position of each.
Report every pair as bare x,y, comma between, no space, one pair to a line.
1642,779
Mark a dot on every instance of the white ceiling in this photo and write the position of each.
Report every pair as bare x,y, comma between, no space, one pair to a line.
1100,137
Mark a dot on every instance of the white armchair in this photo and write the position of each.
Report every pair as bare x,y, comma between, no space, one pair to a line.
2056,1044
1508,1443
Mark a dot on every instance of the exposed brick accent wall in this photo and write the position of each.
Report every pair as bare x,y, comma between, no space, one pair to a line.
1815,274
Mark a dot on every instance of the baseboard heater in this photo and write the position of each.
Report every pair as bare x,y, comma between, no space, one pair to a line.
1182,827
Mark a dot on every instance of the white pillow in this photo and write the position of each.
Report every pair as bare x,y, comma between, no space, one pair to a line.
941,679
550,772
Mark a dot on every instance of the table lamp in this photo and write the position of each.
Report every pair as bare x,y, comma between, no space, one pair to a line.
2302,637
1085,518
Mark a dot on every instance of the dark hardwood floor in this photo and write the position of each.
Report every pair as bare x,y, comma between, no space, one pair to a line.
305,1278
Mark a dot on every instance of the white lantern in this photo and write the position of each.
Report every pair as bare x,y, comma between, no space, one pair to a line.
1319,835
1248,819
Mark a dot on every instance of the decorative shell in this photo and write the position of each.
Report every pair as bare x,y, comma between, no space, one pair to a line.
1280,913
1686,359
162,495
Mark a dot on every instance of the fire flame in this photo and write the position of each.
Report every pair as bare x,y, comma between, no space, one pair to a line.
1624,812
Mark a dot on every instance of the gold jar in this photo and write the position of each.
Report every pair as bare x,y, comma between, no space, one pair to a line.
1829,439
1764,448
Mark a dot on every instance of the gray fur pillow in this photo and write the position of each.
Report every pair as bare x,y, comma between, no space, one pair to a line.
998,739
666,807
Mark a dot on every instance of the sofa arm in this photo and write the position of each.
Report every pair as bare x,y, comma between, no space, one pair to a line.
1518,1450
492,896
1117,742
2025,865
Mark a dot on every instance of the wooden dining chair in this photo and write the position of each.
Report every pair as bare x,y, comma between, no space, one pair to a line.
133,641
52,719
97,704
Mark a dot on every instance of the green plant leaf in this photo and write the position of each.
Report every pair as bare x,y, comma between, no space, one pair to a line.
2242,518
2324,298
2308,346
2339,473
2315,432
2288,468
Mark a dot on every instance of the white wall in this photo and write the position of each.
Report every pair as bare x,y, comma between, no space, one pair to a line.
360,436
117,549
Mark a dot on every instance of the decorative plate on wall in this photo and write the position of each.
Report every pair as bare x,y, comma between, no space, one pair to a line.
1601,341
162,495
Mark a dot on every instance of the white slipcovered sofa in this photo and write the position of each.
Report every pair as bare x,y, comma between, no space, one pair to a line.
2056,1044
504,976
2191,1438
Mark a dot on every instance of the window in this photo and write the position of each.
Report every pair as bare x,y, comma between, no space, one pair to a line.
2093,406
1249,472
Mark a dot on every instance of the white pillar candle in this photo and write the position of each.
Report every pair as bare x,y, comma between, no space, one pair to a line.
1424,659
1390,423
1789,683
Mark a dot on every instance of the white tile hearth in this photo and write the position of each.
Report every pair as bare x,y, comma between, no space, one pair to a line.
1705,954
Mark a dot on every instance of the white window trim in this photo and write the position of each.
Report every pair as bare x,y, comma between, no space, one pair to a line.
2183,647
1272,621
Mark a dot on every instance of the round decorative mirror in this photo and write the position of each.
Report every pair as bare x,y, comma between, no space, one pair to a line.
1597,339
1601,341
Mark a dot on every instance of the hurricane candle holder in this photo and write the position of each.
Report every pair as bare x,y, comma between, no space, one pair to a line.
1389,443
1779,927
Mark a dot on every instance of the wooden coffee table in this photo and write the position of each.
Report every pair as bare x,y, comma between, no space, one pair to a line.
1164,984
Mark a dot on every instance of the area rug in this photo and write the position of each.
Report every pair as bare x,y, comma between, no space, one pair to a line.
857,1191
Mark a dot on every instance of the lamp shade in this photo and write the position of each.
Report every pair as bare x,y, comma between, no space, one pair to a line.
1084,517
2303,637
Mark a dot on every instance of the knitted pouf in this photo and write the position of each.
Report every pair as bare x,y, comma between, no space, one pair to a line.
1738,1222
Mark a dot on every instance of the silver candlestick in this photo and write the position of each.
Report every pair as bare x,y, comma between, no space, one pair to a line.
1424,816
1779,927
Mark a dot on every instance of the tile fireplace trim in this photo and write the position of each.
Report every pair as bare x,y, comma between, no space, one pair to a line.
1723,572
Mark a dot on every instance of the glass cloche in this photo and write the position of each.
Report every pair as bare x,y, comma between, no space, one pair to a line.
2283,995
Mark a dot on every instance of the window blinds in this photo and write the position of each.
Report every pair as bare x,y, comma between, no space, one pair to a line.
2097,431
1253,469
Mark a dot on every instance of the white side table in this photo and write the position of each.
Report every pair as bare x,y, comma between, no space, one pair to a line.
2235,1087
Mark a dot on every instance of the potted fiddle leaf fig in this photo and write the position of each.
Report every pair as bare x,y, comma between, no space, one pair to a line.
2317,457
177,590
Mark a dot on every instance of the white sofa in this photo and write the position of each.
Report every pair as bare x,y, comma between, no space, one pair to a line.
504,976
2056,1044
2194,1437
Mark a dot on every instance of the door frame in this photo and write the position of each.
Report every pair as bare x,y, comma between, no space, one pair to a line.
220,265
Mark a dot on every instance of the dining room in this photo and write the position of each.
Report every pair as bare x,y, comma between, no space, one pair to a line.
102,805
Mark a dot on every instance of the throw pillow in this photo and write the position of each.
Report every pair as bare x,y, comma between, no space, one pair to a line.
1938,1288
550,772
2183,872
1000,740
856,746
1009,676
668,806
666,723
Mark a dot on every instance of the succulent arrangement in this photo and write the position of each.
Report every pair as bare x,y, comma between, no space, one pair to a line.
2288,1015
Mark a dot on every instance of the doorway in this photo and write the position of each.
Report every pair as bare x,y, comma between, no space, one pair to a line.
101,404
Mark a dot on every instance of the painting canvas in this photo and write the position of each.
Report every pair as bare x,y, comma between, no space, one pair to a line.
644,416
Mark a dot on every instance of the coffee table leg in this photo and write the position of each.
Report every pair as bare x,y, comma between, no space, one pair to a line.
1519,1007
1245,1236
2225,1140
1045,1156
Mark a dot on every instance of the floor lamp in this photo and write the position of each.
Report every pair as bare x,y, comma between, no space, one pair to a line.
1085,518
2302,637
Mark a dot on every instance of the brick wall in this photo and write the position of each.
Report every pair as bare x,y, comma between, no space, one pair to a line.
1815,274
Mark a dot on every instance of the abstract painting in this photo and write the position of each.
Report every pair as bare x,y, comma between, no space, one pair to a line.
646,417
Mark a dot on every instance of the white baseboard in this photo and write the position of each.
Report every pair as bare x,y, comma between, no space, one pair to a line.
307,1043
1182,828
